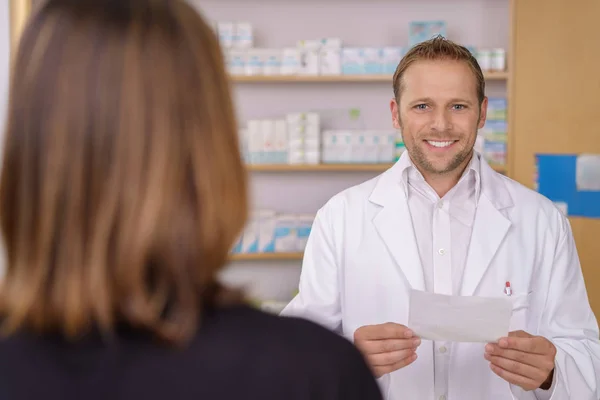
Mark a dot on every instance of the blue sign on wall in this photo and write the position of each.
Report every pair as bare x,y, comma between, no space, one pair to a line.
557,177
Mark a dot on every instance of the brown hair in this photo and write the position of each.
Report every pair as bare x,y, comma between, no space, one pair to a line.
122,189
439,48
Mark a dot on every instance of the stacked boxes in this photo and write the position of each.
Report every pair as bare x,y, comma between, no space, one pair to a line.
304,138
269,232
492,137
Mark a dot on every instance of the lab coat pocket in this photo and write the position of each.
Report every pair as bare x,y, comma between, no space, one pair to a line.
520,311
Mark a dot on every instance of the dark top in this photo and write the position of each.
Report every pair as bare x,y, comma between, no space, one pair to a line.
238,354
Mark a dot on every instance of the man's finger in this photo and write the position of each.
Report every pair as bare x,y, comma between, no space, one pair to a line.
525,383
380,371
534,360
534,345
390,345
388,330
391,358
524,370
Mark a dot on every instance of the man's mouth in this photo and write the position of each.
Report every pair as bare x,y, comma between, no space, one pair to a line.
441,143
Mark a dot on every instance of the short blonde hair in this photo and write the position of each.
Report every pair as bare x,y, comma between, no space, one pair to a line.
122,189
439,48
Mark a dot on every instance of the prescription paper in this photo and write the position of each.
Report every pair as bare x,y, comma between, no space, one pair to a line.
459,318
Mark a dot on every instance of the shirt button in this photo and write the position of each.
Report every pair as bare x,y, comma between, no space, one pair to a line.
440,204
443,349
442,397
441,251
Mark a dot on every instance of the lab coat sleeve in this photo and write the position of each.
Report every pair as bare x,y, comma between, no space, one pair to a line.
569,323
318,298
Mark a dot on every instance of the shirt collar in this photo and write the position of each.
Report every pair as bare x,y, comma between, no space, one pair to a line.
474,167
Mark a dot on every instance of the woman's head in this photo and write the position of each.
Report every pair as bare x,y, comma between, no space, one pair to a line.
122,188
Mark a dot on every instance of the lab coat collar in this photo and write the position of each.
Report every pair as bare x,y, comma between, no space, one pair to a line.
394,223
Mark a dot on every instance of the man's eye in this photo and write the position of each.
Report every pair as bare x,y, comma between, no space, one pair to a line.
421,106
459,106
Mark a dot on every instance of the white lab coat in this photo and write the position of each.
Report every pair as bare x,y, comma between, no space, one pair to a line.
361,260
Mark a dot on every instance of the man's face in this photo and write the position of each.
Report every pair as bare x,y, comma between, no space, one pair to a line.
439,114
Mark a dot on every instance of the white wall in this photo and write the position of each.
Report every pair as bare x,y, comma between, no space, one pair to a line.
277,23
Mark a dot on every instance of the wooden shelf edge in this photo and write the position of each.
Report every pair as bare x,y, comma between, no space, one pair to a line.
266,256
317,167
335,78
331,167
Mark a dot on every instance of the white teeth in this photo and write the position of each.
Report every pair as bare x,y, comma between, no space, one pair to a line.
440,144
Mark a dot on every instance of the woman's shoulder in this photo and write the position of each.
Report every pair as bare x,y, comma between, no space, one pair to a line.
284,337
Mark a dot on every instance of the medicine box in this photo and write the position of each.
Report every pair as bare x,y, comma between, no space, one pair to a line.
420,31
285,233
496,108
391,57
495,153
372,57
353,62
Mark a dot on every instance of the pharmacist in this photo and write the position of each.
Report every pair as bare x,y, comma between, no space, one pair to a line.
442,221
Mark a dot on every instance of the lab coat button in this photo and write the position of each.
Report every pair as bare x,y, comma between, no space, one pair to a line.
442,397
443,349
441,251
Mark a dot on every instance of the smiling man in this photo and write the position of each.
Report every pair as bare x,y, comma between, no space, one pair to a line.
442,221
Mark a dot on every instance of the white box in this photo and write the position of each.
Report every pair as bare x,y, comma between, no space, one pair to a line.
312,144
358,147
285,233
345,147
267,127
295,156
281,141
371,147
303,227
272,61
267,220
312,131
226,32
244,37
312,157
236,61
387,147
309,57
330,61
255,142
353,62
254,62
373,60
250,235
290,61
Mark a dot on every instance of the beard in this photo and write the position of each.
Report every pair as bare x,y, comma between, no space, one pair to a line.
420,159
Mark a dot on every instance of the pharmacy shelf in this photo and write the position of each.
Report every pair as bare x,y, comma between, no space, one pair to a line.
329,167
266,256
317,167
334,78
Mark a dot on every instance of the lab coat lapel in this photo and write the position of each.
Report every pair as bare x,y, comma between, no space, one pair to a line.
394,226
489,229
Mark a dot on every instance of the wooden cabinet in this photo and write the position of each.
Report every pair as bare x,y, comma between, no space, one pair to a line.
555,100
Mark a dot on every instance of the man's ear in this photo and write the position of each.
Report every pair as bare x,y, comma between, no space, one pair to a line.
483,113
395,110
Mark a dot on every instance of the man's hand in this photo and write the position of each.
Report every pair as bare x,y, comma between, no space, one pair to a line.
386,347
523,360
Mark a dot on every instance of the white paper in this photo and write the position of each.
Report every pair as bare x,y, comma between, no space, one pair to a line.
588,172
459,318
